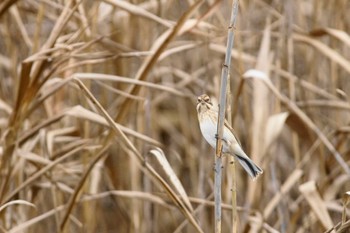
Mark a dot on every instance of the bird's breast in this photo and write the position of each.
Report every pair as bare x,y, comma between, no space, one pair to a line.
208,129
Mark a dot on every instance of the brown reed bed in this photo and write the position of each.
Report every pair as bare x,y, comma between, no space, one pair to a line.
99,130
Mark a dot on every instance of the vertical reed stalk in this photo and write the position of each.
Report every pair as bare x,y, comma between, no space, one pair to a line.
221,119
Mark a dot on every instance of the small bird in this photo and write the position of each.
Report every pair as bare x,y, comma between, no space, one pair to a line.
208,118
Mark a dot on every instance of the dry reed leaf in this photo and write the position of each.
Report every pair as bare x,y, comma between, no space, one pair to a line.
339,34
264,57
96,176
288,184
23,86
312,196
119,92
37,159
178,49
50,136
192,23
139,11
115,78
159,154
344,130
30,156
342,94
274,127
256,74
324,49
44,55
83,113
16,202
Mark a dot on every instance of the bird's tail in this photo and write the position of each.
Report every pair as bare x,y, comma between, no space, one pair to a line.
251,168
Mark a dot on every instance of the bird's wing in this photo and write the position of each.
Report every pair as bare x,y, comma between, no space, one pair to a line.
229,127
232,131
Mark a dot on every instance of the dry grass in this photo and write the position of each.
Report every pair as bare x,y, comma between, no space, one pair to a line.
98,125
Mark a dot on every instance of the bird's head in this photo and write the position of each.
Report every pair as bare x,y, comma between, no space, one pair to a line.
203,101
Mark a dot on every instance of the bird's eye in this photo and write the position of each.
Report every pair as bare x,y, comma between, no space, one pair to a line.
207,99
198,99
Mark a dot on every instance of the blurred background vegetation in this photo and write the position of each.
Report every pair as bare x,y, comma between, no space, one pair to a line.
66,167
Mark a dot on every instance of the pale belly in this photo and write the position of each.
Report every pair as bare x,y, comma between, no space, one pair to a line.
209,130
